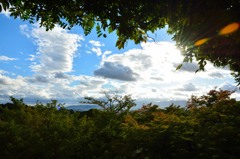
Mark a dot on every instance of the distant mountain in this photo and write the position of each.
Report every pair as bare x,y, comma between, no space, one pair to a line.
163,104
168,103
86,107
82,107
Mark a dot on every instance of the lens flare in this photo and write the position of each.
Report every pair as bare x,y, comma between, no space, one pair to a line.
201,41
229,29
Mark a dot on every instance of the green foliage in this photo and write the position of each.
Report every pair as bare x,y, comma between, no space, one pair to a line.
208,127
197,30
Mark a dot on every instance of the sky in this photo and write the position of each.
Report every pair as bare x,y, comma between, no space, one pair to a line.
65,65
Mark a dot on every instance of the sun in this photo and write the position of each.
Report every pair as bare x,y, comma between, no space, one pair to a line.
166,52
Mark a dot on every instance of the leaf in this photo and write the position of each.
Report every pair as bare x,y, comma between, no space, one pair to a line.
179,66
98,29
120,43
5,6
110,29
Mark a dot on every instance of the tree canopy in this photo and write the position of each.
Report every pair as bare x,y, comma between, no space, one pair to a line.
208,127
204,30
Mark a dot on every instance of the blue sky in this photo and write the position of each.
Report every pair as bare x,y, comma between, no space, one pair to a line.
67,66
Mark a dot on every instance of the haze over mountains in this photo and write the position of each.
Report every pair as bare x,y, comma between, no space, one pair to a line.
86,107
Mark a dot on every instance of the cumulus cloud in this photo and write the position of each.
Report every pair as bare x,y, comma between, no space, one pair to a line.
4,81
61,75
11,86
56,49
157,78
152,68
43,88
151,62
216,75
188,87
96,43
105,54
5,58
154,90
96,48
134,58
116,71
38,79
228,86
90,82
98,51
188,67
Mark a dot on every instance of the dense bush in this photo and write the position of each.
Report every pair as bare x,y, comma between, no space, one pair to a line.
208,127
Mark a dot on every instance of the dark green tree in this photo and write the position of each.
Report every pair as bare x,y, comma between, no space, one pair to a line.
217,118
207,128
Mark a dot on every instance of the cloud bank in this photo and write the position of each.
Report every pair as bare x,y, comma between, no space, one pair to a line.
148,73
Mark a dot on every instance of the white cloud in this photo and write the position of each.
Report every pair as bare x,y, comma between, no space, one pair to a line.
188,67
188,87
32,58
96,43
4,80
153,61
25,30
56,49
215,75
5,58
61,75
3,72
38,79
9,86
104,55
151,70
153,73
228,86
96,48
116,71
97,51
47,87
231,87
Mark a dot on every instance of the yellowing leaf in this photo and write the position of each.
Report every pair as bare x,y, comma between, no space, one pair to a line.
229,29
201,41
